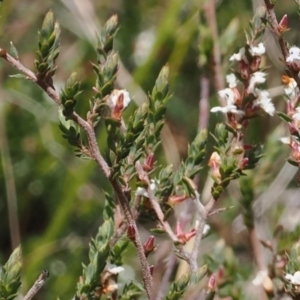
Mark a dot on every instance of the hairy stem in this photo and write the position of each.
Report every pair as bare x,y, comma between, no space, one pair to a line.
96,155
274,27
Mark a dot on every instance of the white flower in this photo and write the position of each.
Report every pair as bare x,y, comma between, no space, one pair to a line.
264,102
143,192
294,279
285,140
257,50
117,95
260,276
116,270
238,56
257,77
229,96
296,115
231,80
294,53
290,87
206,229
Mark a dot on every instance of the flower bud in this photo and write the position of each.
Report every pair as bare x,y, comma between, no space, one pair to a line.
175,199
148,166
212,282
283,25
149,245
131,232
255,63
244,72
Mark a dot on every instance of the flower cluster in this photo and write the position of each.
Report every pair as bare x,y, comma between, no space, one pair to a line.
245,103
293,114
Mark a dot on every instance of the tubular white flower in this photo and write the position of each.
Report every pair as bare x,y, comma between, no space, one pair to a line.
290,87
238,56
228,95
114,97
257,77
264,102
143,192
285,140
116,270
296,116
257,50
294,54
294,279
231,80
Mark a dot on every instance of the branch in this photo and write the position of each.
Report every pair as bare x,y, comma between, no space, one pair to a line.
96,155
202,212
274,26
154,202
37,285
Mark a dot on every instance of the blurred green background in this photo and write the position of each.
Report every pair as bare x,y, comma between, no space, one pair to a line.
56,199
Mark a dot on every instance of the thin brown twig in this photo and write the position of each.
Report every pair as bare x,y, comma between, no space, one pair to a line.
217,211
154,202
256,249
96,155
274,27
203,103
202,212
37,285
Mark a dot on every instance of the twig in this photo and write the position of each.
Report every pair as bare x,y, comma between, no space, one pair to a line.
154,202
210,14
202,212
167,275
274,25
203,103
96,155
216,211
256,249
37,285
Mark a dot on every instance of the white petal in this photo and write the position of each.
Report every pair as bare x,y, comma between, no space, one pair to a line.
141,192
289,276
238,56
231,80
296,278
114,96
257,50
294,54
285,140
206,229
116,270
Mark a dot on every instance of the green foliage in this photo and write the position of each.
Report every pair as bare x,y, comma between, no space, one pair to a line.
106,69
179,287
194,161
48,49
158,101
247,191
223,262
132,291
10,275
69,94
99,251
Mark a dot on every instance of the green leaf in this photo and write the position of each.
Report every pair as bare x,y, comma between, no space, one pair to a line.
10,275
22,76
